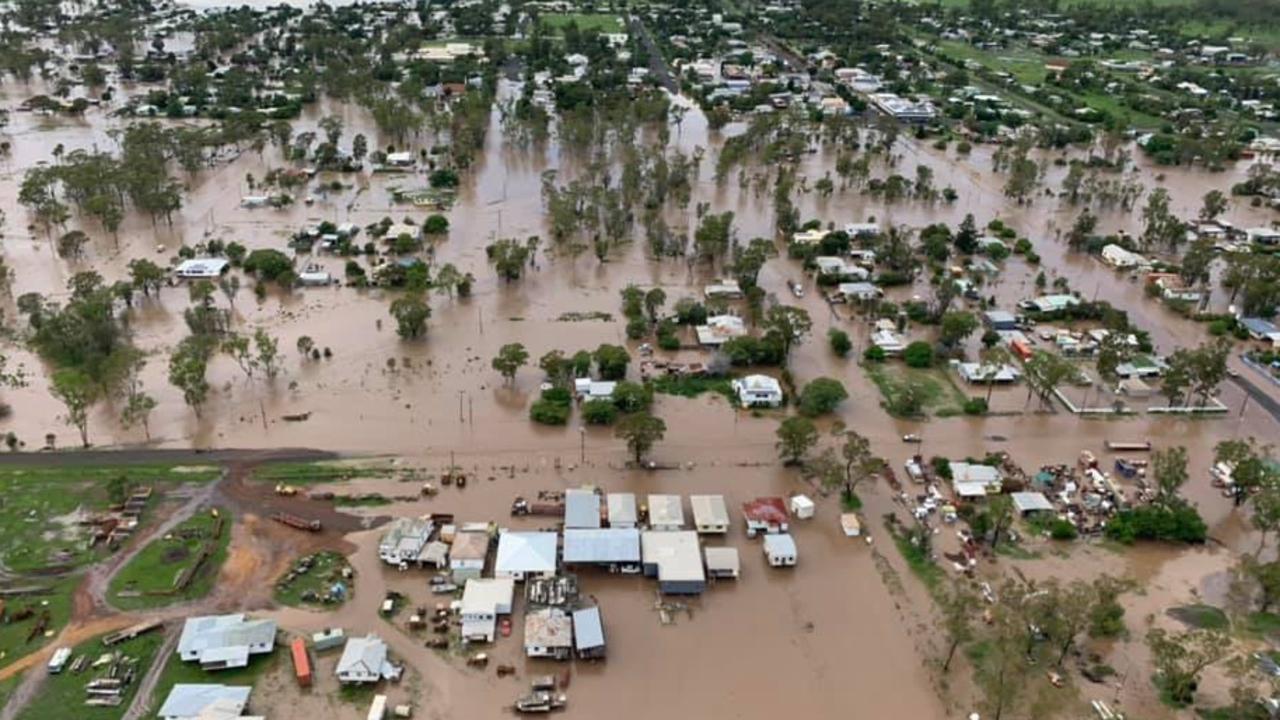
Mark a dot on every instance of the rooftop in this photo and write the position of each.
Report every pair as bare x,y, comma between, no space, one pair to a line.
771,510
581,508
676,553
205,701
666,510
548,628
605,545
526,552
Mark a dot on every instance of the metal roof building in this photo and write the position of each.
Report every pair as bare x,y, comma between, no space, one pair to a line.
621,509
521,554
674,557
601,546
201,701
666,512
710,514
581,509
588,633
225,641
548,633
1031,502
723,562
364,660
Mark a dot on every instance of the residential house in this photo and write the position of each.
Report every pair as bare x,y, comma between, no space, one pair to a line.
758,391
675,559
1260,329
467,554
1000,320
724,288
219,642
202,268
808,237
971,480
1050,303
710,514
780,549
1122,259
719,330
889,341
588,389
765,515
986,373
364,660
853,292
483,600
548,633
404,540
666,512
525,554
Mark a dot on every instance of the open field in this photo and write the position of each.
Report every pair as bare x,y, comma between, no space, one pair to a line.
150,578
938,394
63,695
592,22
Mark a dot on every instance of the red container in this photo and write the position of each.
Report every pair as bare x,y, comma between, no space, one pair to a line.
301,663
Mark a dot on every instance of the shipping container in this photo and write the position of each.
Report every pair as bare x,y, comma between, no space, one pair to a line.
301,663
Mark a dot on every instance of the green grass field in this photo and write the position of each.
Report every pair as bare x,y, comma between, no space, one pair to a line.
55,599
63,695
158,566
939,395
326,569
301,473
594,22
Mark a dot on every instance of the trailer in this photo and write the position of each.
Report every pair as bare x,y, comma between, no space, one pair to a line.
59,660
296,522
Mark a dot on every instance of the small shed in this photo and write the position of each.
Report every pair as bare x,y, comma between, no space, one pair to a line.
710,514
588,634
802,507
780,549
723,562
328,639
1030,503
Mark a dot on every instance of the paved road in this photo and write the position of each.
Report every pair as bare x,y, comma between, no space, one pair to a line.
177,456
657,64
1259,396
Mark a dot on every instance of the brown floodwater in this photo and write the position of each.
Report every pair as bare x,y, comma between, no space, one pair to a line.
826,640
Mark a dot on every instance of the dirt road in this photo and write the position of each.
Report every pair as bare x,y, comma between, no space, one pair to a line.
142,698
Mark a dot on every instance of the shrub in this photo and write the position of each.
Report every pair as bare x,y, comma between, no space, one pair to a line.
553,408
1176,523
975,406
918,354
637,327
1062,529
600,411
821,396
435,225
632,397
268,264
840,342
875,354
612,361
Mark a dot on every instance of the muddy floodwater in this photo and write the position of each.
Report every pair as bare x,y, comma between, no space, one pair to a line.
844,634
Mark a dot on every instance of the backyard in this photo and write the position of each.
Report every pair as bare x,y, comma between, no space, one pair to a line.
912,392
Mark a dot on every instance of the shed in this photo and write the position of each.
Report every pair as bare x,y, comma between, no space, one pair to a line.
328,639
202,268
581,508
722,562
780,549
621,510
301,663
524,554
435,554
603,546
675,559
548,633
802,507
588,634
765,515
971,480
1028,503
850,524
666,512
710,514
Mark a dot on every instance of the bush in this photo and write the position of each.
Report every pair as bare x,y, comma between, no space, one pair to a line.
821,396
1177,523
435,225
612,361
600,411
918,354
1062,529
268,264
637,328
875,354
975,406
840,342
749,350
632,397
553,408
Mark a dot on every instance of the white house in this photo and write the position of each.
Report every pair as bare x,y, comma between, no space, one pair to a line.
364,660
758,391
780,549
588,389
806,237
201,701
526,554
1122,259
890,342
483,600
858,291
404,539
